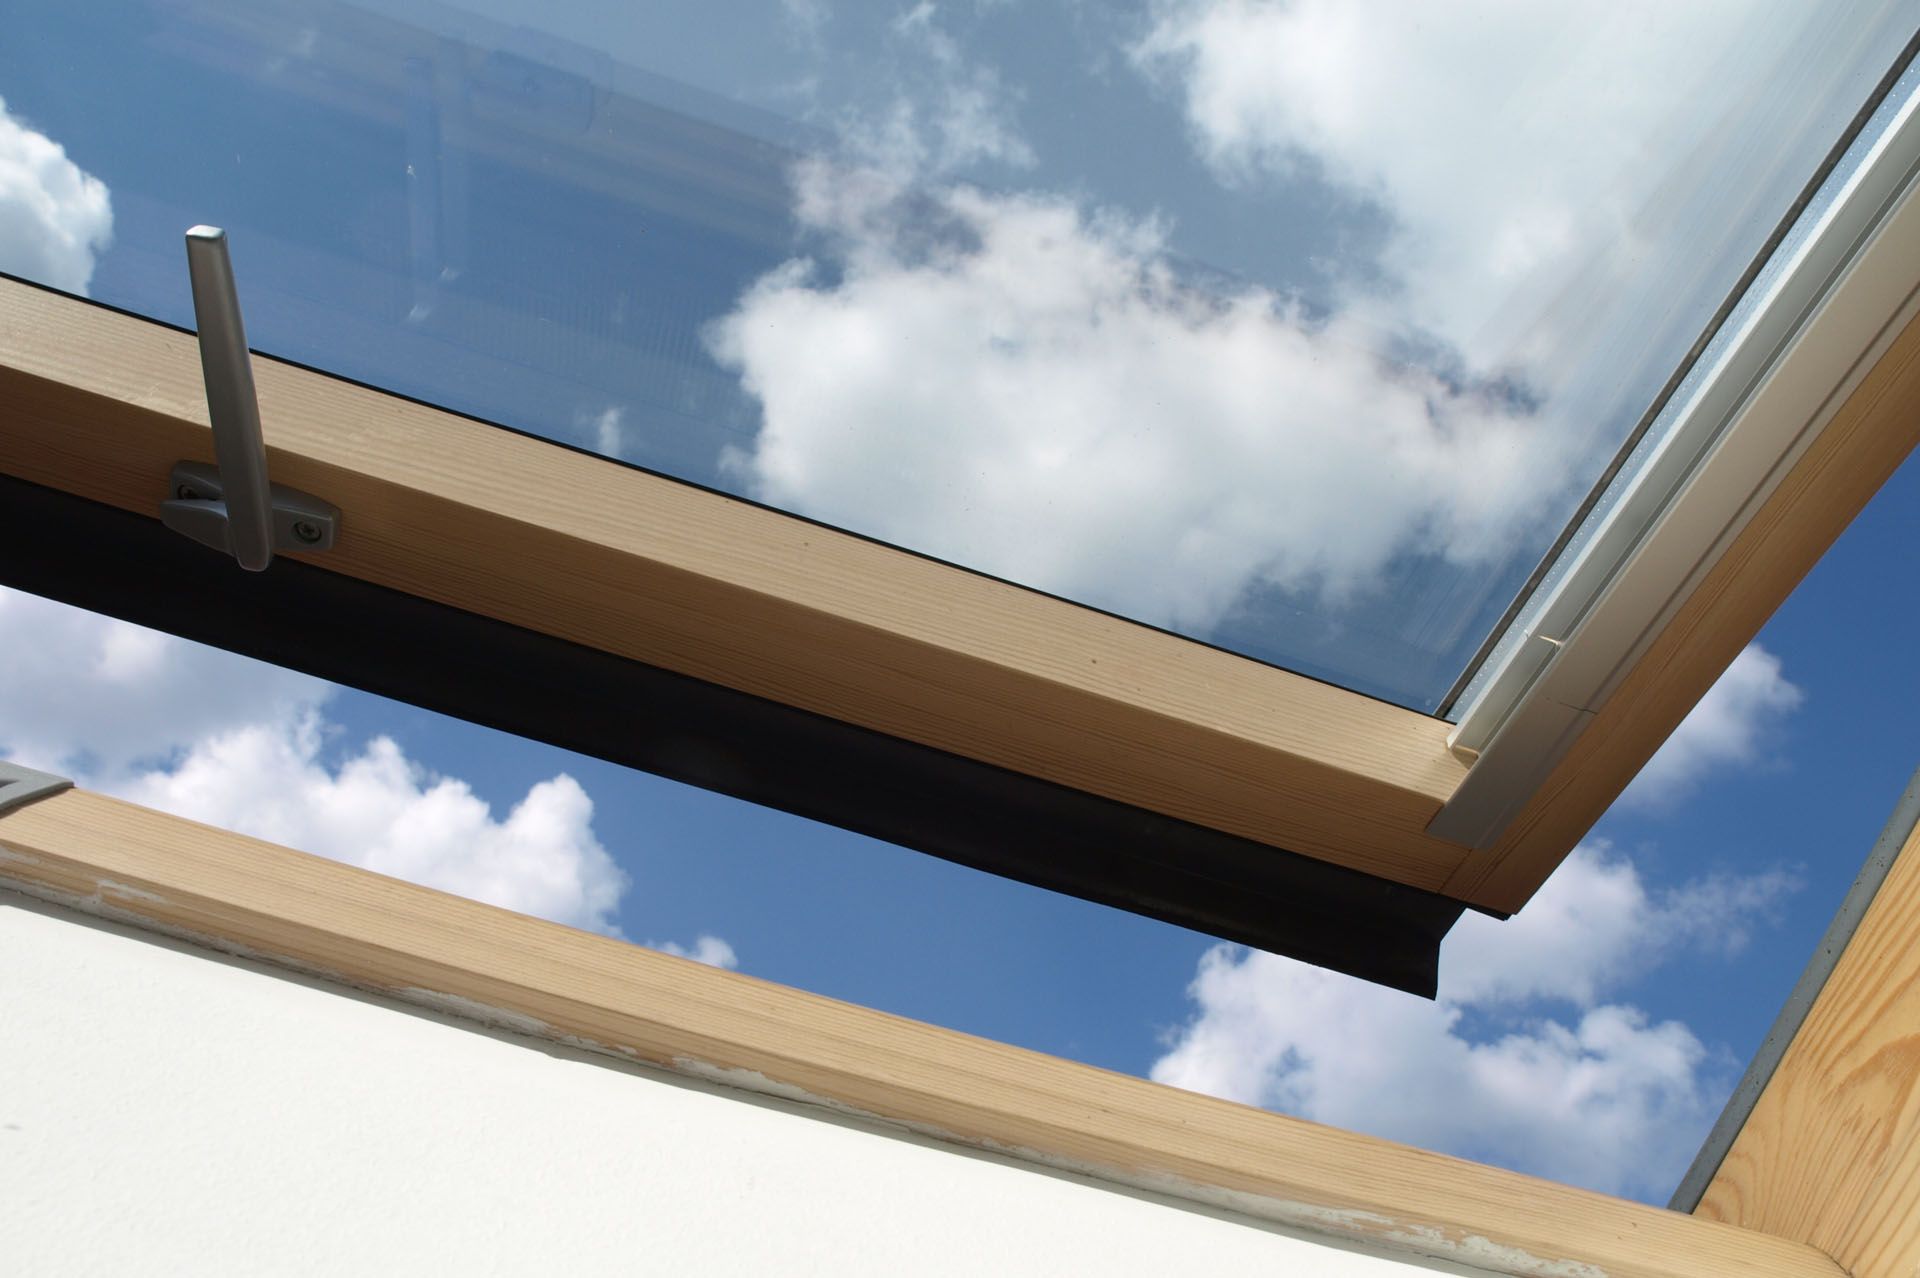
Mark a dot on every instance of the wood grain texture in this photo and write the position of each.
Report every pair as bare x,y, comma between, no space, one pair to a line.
240,893
1831,1153
101,405
1868,438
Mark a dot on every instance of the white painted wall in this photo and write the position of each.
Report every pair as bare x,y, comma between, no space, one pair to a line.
165,1110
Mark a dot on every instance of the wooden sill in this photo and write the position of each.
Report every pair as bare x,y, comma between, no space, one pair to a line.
238,893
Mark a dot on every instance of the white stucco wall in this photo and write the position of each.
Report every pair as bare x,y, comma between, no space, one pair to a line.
165,1110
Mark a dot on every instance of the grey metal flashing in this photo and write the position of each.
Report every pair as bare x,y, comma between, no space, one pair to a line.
20,786
1899,828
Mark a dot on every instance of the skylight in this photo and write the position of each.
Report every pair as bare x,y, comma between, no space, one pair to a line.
1302,330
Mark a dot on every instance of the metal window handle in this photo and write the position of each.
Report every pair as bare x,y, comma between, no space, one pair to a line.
233,507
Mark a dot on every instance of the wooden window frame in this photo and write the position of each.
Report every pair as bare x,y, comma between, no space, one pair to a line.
1828,1150
241,895
1182,742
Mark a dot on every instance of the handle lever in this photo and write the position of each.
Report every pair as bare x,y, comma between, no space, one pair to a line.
232,506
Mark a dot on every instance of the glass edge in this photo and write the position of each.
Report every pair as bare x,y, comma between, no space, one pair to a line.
1831,175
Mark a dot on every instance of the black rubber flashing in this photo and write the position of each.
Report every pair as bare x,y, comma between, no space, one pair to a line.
398,645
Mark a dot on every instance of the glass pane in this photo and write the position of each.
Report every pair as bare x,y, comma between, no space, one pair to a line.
1299,329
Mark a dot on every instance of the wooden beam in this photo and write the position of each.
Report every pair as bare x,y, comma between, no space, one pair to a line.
451,661
375,932
101,404
1830,1154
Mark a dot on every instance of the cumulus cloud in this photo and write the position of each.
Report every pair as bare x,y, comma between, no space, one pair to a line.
1531,156
247,746
1729,727
1521,1060
1037,390
933,112
85,693
55,218
710,950
604,431
379,809
1041,388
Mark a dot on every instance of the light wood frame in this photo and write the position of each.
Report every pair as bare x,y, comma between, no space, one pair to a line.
243,895
1830,1154
100,404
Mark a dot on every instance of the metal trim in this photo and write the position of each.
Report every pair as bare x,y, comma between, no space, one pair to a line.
1495,645
20,786
1826,956
1813,329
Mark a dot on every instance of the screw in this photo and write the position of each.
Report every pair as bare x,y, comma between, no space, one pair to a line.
184,493
307,531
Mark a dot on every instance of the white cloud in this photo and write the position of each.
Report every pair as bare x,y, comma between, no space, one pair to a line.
245,746
1535,158
86,693
378,809
605,431
1520,1061
1728,728
1034,387
1039,388
710,950
55,218
1594,926
926,110
1031,389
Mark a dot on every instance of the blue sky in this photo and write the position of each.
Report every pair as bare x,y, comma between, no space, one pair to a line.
1655,960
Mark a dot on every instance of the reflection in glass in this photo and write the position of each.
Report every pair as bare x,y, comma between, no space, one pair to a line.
1298,329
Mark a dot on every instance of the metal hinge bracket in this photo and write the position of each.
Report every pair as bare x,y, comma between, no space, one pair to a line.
20,786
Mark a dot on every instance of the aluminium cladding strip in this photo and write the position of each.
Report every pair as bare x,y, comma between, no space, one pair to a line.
1837,296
